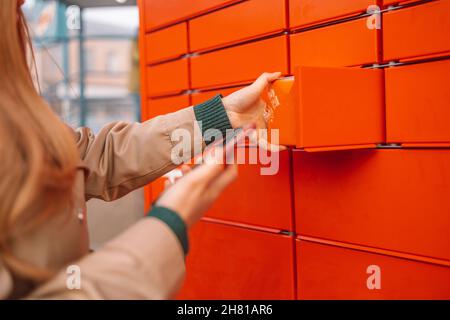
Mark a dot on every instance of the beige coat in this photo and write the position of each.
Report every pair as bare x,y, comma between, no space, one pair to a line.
147,260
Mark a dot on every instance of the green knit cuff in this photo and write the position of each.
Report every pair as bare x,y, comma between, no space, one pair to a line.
175,223
212,115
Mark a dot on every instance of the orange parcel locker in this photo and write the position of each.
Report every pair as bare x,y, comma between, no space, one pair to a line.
390,199
417,104
246,20
168,78
261,195
340,45
418,31
167,43
160,13
227,262
161,106
239,64
328,108
308,12
331,272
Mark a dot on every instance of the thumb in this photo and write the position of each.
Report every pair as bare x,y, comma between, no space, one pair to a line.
265,79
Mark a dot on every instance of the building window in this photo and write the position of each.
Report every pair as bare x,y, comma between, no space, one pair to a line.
112,62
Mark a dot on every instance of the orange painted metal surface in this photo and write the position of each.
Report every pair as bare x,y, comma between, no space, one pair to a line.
257,199
328,108
239,64
344,44
418,104
417,32
228,262
262,17
168,78
308,12
167,43
389,199
161,106
160,13
203,96
331,272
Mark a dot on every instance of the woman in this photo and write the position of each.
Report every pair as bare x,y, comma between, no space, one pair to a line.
48,171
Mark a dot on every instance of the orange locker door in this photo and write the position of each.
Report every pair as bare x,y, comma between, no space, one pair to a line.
165,44
329,108
417,104
202,96
258,198
340,45
418,31
239,64
160,13
227,262
243,21
161,106
168,78
308,12
390,199
330,272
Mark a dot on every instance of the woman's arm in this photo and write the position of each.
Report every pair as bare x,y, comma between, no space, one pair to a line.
124,156
147,260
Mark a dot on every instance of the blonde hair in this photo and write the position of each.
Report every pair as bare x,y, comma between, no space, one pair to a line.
38,155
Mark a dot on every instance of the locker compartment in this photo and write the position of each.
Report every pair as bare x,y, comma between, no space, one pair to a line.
417,32
255,198
389,199
167,43
308,12
227,262
418,104
344,44
331,272
168,78
161,106
239,64
243,21
160,13
202,96
328,108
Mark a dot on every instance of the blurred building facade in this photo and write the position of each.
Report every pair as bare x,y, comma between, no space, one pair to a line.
83,61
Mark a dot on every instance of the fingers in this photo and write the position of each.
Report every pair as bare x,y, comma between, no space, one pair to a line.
265,79
270,77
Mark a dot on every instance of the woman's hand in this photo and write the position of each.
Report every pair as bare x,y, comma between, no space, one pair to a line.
192,194
246,106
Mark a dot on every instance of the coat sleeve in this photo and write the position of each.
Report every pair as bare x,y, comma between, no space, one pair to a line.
145,262
126,156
